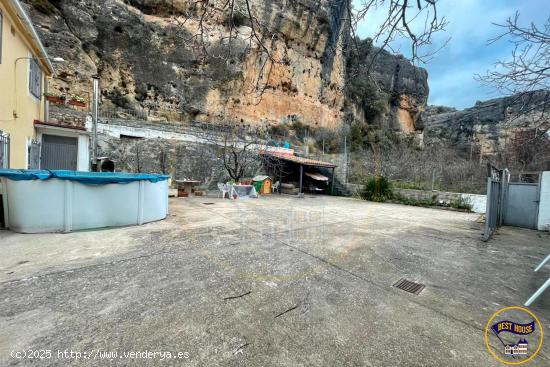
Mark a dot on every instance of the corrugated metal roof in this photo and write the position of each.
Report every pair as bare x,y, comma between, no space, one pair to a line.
300,160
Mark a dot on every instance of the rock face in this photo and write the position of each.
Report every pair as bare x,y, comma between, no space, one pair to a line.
407,88
143,52
487,127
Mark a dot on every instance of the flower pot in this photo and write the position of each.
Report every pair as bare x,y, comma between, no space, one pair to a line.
55,99
74,102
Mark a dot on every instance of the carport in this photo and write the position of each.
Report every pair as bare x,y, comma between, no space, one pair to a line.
302,162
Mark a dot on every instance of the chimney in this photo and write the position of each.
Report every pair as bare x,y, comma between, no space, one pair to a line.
95,114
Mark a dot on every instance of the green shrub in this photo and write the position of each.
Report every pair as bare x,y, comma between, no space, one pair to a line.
300,129
118,99
377,188
278,130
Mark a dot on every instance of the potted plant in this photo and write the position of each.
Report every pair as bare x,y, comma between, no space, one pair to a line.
54,98
77,101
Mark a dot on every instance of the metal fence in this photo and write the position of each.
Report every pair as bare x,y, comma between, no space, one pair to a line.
4,150
123,114
496,187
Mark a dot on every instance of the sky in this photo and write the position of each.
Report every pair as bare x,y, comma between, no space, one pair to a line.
452,70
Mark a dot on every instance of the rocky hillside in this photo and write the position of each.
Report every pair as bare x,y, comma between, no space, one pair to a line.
395,93
143,51
489,126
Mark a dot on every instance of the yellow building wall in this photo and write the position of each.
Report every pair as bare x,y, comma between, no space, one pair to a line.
14,83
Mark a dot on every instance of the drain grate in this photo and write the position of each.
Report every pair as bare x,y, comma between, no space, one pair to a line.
208,203
408,286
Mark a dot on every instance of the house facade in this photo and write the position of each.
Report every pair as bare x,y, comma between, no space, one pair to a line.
27,138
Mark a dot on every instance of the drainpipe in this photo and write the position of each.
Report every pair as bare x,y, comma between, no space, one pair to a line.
95,113
46,102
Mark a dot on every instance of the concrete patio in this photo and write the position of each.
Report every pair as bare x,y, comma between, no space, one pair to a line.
275,281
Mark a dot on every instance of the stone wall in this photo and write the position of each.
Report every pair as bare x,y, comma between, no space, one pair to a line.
477,202
66,116
180,159
338,159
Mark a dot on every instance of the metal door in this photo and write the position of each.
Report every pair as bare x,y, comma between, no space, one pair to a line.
59,152
522,205
34,154
4,150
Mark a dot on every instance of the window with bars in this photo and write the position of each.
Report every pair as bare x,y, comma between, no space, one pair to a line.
4,150
35,78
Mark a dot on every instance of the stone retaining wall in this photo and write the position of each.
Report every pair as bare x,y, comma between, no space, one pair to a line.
478,202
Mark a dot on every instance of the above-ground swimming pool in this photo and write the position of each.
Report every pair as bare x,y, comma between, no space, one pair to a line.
36,201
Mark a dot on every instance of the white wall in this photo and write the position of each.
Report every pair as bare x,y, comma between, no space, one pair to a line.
478,202
83,162
544,204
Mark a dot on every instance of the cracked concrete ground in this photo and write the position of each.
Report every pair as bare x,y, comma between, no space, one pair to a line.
275,281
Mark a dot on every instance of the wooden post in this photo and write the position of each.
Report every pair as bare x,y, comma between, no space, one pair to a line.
332,188
280,179
301,177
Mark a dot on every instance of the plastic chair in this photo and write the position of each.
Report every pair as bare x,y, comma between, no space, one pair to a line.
539,291
223,190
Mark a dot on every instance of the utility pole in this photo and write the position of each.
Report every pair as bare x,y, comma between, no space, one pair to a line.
346,157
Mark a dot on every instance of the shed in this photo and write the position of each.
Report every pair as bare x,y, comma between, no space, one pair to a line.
263,184
301,162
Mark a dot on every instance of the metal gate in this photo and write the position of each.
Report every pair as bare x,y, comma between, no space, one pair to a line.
59,152
511,203
4,150
496,181
522,204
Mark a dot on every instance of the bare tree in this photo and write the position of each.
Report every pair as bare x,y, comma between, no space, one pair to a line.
528,150
528,69
400,160
414,20
526,74
241,150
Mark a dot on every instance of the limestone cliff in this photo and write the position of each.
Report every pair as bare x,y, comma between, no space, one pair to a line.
489,126
142,51
394,93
